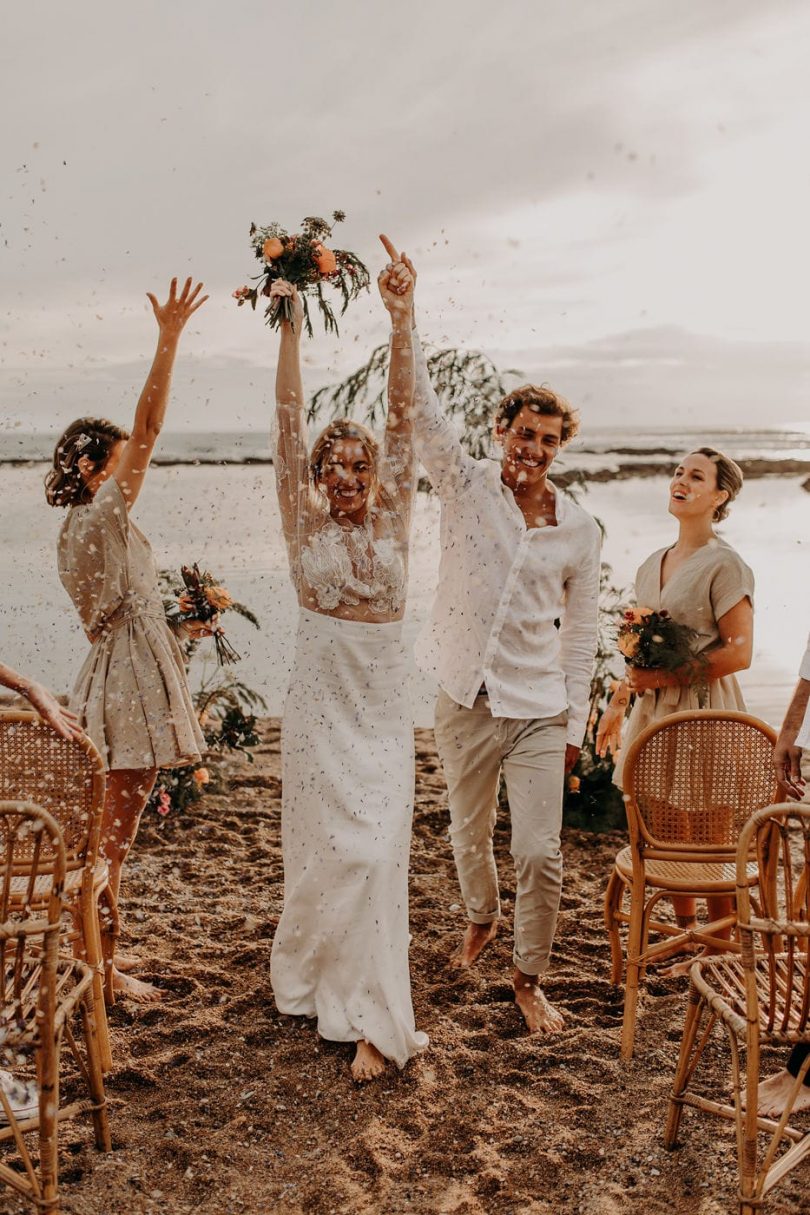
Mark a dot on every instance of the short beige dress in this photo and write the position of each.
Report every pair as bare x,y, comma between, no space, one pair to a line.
131,694
709,584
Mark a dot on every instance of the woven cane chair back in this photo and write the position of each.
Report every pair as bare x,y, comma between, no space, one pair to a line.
30,842
66,778
693,779
775,931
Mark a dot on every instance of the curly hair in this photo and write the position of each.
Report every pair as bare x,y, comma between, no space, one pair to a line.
540,400
91,437
729,478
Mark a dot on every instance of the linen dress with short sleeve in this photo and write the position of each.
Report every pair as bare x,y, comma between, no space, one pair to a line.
131,694
709,584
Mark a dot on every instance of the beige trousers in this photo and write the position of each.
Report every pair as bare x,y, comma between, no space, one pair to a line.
474,748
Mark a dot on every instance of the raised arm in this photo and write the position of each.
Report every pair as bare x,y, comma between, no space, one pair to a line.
290,455
396,283
151,408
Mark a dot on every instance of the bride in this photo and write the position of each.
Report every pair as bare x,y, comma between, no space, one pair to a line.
341,948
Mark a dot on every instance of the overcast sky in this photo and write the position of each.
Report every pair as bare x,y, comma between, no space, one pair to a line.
612,195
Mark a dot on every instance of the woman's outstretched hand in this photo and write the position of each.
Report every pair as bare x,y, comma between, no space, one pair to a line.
172,316
397,281
280,290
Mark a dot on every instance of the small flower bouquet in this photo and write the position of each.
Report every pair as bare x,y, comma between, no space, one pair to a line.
303,260
654,641
199,600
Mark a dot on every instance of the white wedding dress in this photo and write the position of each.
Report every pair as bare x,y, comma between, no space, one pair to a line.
341,947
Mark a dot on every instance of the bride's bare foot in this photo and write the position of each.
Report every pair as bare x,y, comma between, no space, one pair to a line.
368,1063
774,1094
540,1016
476,938
130,988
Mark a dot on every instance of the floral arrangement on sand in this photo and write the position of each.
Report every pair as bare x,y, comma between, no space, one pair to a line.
652,640
304,260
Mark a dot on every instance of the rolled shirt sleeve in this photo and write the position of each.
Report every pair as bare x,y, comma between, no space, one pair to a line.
578,637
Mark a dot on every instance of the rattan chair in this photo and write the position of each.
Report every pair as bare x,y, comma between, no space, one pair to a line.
67,779
761,997
690,781
40,991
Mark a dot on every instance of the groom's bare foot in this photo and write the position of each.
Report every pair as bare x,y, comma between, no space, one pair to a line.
540,1016
774,1094
368,1063
138,990
476,938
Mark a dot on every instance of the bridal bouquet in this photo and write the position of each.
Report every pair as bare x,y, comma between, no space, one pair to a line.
200,599
653,640
303,259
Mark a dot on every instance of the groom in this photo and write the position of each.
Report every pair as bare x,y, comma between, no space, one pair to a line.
511,639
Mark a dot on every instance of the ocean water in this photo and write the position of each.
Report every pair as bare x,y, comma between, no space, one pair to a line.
226,518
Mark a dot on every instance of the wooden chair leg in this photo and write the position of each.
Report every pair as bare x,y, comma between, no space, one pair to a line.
694,1011
48,1071
91,932
101,1123
613,902
633,969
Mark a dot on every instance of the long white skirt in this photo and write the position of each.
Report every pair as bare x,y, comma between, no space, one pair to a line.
341,948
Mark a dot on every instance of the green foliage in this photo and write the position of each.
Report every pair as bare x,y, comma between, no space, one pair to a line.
467,383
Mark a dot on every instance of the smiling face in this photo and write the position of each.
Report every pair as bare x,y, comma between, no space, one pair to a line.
347,479
529,442
693,491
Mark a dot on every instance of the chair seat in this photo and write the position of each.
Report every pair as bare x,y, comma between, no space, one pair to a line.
720,978
686,875
73,882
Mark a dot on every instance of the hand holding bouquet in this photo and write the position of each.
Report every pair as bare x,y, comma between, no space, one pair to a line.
200,603
651,640
303,260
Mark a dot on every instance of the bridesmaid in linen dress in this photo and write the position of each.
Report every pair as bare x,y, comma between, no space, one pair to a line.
341,948
703,583
131,695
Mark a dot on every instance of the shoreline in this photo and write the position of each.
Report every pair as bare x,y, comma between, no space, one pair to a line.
752,469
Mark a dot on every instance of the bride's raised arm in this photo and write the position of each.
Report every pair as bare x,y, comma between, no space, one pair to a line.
396,282
290,452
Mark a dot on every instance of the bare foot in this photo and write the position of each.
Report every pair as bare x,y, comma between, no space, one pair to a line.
135,989
774,1094
540,1016
476,938
679,970
126,962
368,1063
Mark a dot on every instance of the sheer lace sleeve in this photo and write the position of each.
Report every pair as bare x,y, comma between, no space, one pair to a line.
299,510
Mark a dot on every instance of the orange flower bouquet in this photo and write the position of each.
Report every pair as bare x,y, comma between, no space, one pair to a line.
654,641
199,600
304,260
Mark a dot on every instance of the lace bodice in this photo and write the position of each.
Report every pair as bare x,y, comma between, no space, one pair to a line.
350,565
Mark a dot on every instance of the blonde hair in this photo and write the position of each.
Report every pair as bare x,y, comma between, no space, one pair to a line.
335,432
729,478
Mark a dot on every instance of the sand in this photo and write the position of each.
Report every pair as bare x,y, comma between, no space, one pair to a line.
221,1106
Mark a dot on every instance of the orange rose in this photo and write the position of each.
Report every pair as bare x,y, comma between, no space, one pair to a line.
218,597
573,784
628,644
202,776
272,248
325,260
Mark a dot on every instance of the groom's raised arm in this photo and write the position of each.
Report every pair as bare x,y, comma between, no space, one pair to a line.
437,443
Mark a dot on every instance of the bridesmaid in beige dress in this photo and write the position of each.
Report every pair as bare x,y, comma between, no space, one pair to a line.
703,583
131,694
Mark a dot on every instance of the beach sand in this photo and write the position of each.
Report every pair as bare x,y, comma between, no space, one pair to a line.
220,1106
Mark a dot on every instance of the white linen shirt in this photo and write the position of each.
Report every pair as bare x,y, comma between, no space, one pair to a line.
803,737
503,585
